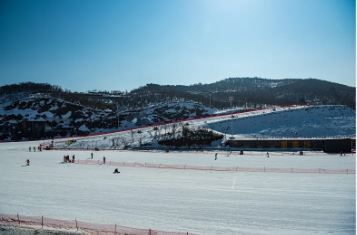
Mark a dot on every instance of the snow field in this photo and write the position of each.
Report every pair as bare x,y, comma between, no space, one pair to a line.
202,202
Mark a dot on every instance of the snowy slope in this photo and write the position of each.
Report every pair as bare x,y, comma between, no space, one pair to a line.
62,118
201,202
297,122
314,121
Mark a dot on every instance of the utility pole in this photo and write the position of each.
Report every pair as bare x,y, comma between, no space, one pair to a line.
118,114
225,133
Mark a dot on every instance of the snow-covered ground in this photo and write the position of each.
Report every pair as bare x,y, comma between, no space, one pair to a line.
314,121
202,202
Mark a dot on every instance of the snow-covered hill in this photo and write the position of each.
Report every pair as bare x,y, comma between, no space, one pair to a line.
296,122
26,116
314,121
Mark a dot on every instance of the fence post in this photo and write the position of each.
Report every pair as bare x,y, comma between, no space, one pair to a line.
42,222
18,218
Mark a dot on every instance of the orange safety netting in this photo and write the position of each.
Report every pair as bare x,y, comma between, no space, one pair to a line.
218,168
75,225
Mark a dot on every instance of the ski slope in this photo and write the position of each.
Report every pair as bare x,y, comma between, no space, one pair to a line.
201,202
147,135
280,122
307,122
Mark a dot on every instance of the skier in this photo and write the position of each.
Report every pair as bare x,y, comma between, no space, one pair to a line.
27,162
30,149
215,156
91,155
103,160
116,171
73,158
34,148
267,154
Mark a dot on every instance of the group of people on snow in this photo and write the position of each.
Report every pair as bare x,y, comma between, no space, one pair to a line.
66,159
39,148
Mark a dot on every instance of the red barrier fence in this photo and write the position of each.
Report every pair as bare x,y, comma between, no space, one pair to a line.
38,222
218,168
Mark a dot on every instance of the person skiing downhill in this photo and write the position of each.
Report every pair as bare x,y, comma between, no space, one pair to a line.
27,162
215,156
103,160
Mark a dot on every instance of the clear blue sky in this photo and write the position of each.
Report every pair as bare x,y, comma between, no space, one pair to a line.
122,44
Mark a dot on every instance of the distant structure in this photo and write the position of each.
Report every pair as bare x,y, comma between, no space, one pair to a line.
345,145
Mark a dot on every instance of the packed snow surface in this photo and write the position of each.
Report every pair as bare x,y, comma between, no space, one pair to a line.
315,121
201,202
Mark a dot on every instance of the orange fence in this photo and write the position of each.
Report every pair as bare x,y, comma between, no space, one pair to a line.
217,168
75,225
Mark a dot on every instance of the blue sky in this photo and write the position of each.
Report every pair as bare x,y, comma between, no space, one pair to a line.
123,44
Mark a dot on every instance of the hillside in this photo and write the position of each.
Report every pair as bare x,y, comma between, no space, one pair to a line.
227,93
315,121
294,122
37,111
26,116
256,92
